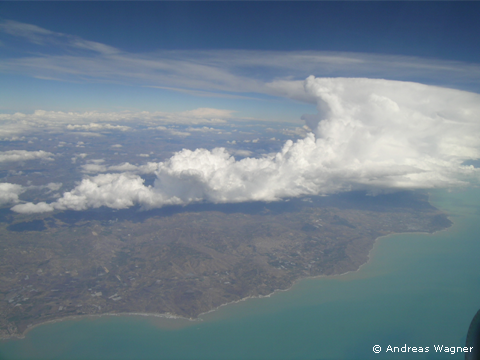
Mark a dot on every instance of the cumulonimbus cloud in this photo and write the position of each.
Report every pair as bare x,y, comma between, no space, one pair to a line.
368,134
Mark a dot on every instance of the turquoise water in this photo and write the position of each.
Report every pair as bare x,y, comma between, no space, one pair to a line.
419,290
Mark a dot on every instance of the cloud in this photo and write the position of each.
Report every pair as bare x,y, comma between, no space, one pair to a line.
89,121
222,73
297,131
205,129
23,155
9,193
370,134
242,153
126,167
208,113
93,168
179,133
40,36
94,127
30,208
77,156
173,131
117,191
52,186
90,134
31,32
96,166
202,93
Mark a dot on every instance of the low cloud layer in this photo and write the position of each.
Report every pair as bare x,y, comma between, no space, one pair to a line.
96,127
23,155
91,121
376,135
9,193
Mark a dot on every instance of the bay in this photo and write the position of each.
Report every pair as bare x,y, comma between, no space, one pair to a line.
417,290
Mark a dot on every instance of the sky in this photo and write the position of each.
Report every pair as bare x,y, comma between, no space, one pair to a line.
384,95
223,53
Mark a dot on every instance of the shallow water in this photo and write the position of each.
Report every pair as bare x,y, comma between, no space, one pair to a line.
420,290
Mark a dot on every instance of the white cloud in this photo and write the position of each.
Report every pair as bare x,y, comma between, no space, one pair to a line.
24,155
124,168
40,36
86,133
179,133
9,193
208,113
117,191
33,33
242,153
369,134
300,131
30,208
11,124
93,168
77,156
96,166
173,131
53,186
226,72
204,129
16,138
98,127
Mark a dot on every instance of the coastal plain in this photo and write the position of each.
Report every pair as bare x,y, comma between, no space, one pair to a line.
185,261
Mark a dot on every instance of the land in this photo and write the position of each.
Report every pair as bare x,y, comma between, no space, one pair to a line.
187,261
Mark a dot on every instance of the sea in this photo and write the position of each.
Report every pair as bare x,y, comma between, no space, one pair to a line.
418,291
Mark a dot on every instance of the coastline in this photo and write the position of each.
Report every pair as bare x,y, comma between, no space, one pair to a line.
199,317
81,317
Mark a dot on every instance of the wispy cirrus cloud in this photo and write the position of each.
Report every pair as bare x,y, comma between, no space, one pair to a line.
222,73
41,36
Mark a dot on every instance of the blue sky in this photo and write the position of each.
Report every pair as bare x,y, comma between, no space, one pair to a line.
436,29
176,56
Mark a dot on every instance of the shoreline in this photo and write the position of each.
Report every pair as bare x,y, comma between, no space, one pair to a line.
174,316
80,317
199,317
